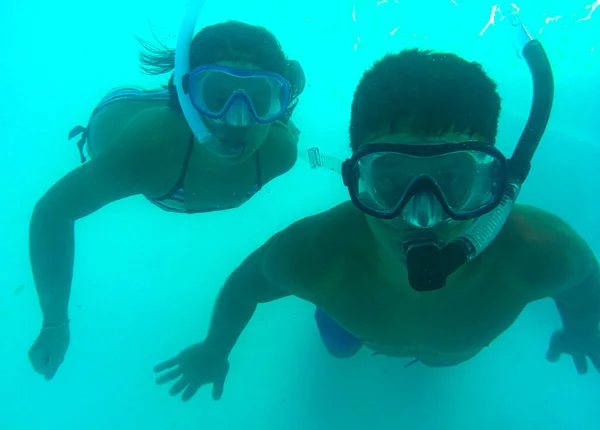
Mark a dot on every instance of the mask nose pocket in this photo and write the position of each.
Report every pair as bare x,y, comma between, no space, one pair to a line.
239,114
423,210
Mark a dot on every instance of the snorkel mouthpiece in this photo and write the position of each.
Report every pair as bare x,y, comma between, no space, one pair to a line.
429,266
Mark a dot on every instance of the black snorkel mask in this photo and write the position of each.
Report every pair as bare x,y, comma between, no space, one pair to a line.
429,264
430,261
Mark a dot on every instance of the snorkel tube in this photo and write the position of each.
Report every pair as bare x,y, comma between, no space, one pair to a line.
429,265
182,69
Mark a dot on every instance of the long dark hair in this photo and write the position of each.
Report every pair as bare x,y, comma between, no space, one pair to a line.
231,40
155,57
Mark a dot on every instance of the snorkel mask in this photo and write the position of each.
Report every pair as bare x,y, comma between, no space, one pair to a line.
475,181
224,96
429,264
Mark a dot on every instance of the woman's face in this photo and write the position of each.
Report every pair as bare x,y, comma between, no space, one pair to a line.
241,140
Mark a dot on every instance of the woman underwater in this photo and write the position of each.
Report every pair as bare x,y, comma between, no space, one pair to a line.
243,90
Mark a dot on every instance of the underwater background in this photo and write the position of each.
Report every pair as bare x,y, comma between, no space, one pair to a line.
145,280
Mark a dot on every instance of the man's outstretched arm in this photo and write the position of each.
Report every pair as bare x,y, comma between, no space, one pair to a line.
207,362
290,263
293,262
573,272
559,264
245,288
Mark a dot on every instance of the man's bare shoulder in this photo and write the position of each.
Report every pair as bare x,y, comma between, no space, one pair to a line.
546,253
311,253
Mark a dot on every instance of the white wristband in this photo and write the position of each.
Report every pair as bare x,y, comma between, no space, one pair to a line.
55,327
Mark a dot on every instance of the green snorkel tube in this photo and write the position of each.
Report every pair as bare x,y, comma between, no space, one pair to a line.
428,265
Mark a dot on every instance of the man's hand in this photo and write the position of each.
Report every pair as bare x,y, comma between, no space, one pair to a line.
579,349
198,365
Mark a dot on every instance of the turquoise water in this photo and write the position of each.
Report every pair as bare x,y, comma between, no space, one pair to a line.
145,281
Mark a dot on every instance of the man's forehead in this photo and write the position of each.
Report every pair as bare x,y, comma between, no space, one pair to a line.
387,136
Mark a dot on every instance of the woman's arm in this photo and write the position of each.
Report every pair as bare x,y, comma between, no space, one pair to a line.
131,166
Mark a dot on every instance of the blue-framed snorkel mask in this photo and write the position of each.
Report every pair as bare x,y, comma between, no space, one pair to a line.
237,97
224,96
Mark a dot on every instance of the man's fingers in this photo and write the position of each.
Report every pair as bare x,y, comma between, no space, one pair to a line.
217,391
553,355
220,383
173,374
179,386
580,363
190,390
595,357
166,365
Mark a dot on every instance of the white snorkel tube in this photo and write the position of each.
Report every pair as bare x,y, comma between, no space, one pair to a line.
182,68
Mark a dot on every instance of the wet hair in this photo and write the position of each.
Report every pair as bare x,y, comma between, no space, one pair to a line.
425,94
227,41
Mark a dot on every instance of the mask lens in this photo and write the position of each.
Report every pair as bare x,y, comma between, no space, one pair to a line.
472,185
380,182
215,89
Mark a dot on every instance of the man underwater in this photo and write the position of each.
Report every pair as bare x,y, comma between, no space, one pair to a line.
430,258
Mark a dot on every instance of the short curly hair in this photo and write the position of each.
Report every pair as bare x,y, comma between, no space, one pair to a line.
426,94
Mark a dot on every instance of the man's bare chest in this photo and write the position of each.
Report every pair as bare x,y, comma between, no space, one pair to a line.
394,319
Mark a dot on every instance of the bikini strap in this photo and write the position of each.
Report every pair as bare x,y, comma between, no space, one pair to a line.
80,130
181,179
258,170
173,103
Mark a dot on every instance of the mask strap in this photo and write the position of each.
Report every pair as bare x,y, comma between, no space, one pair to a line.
316,160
